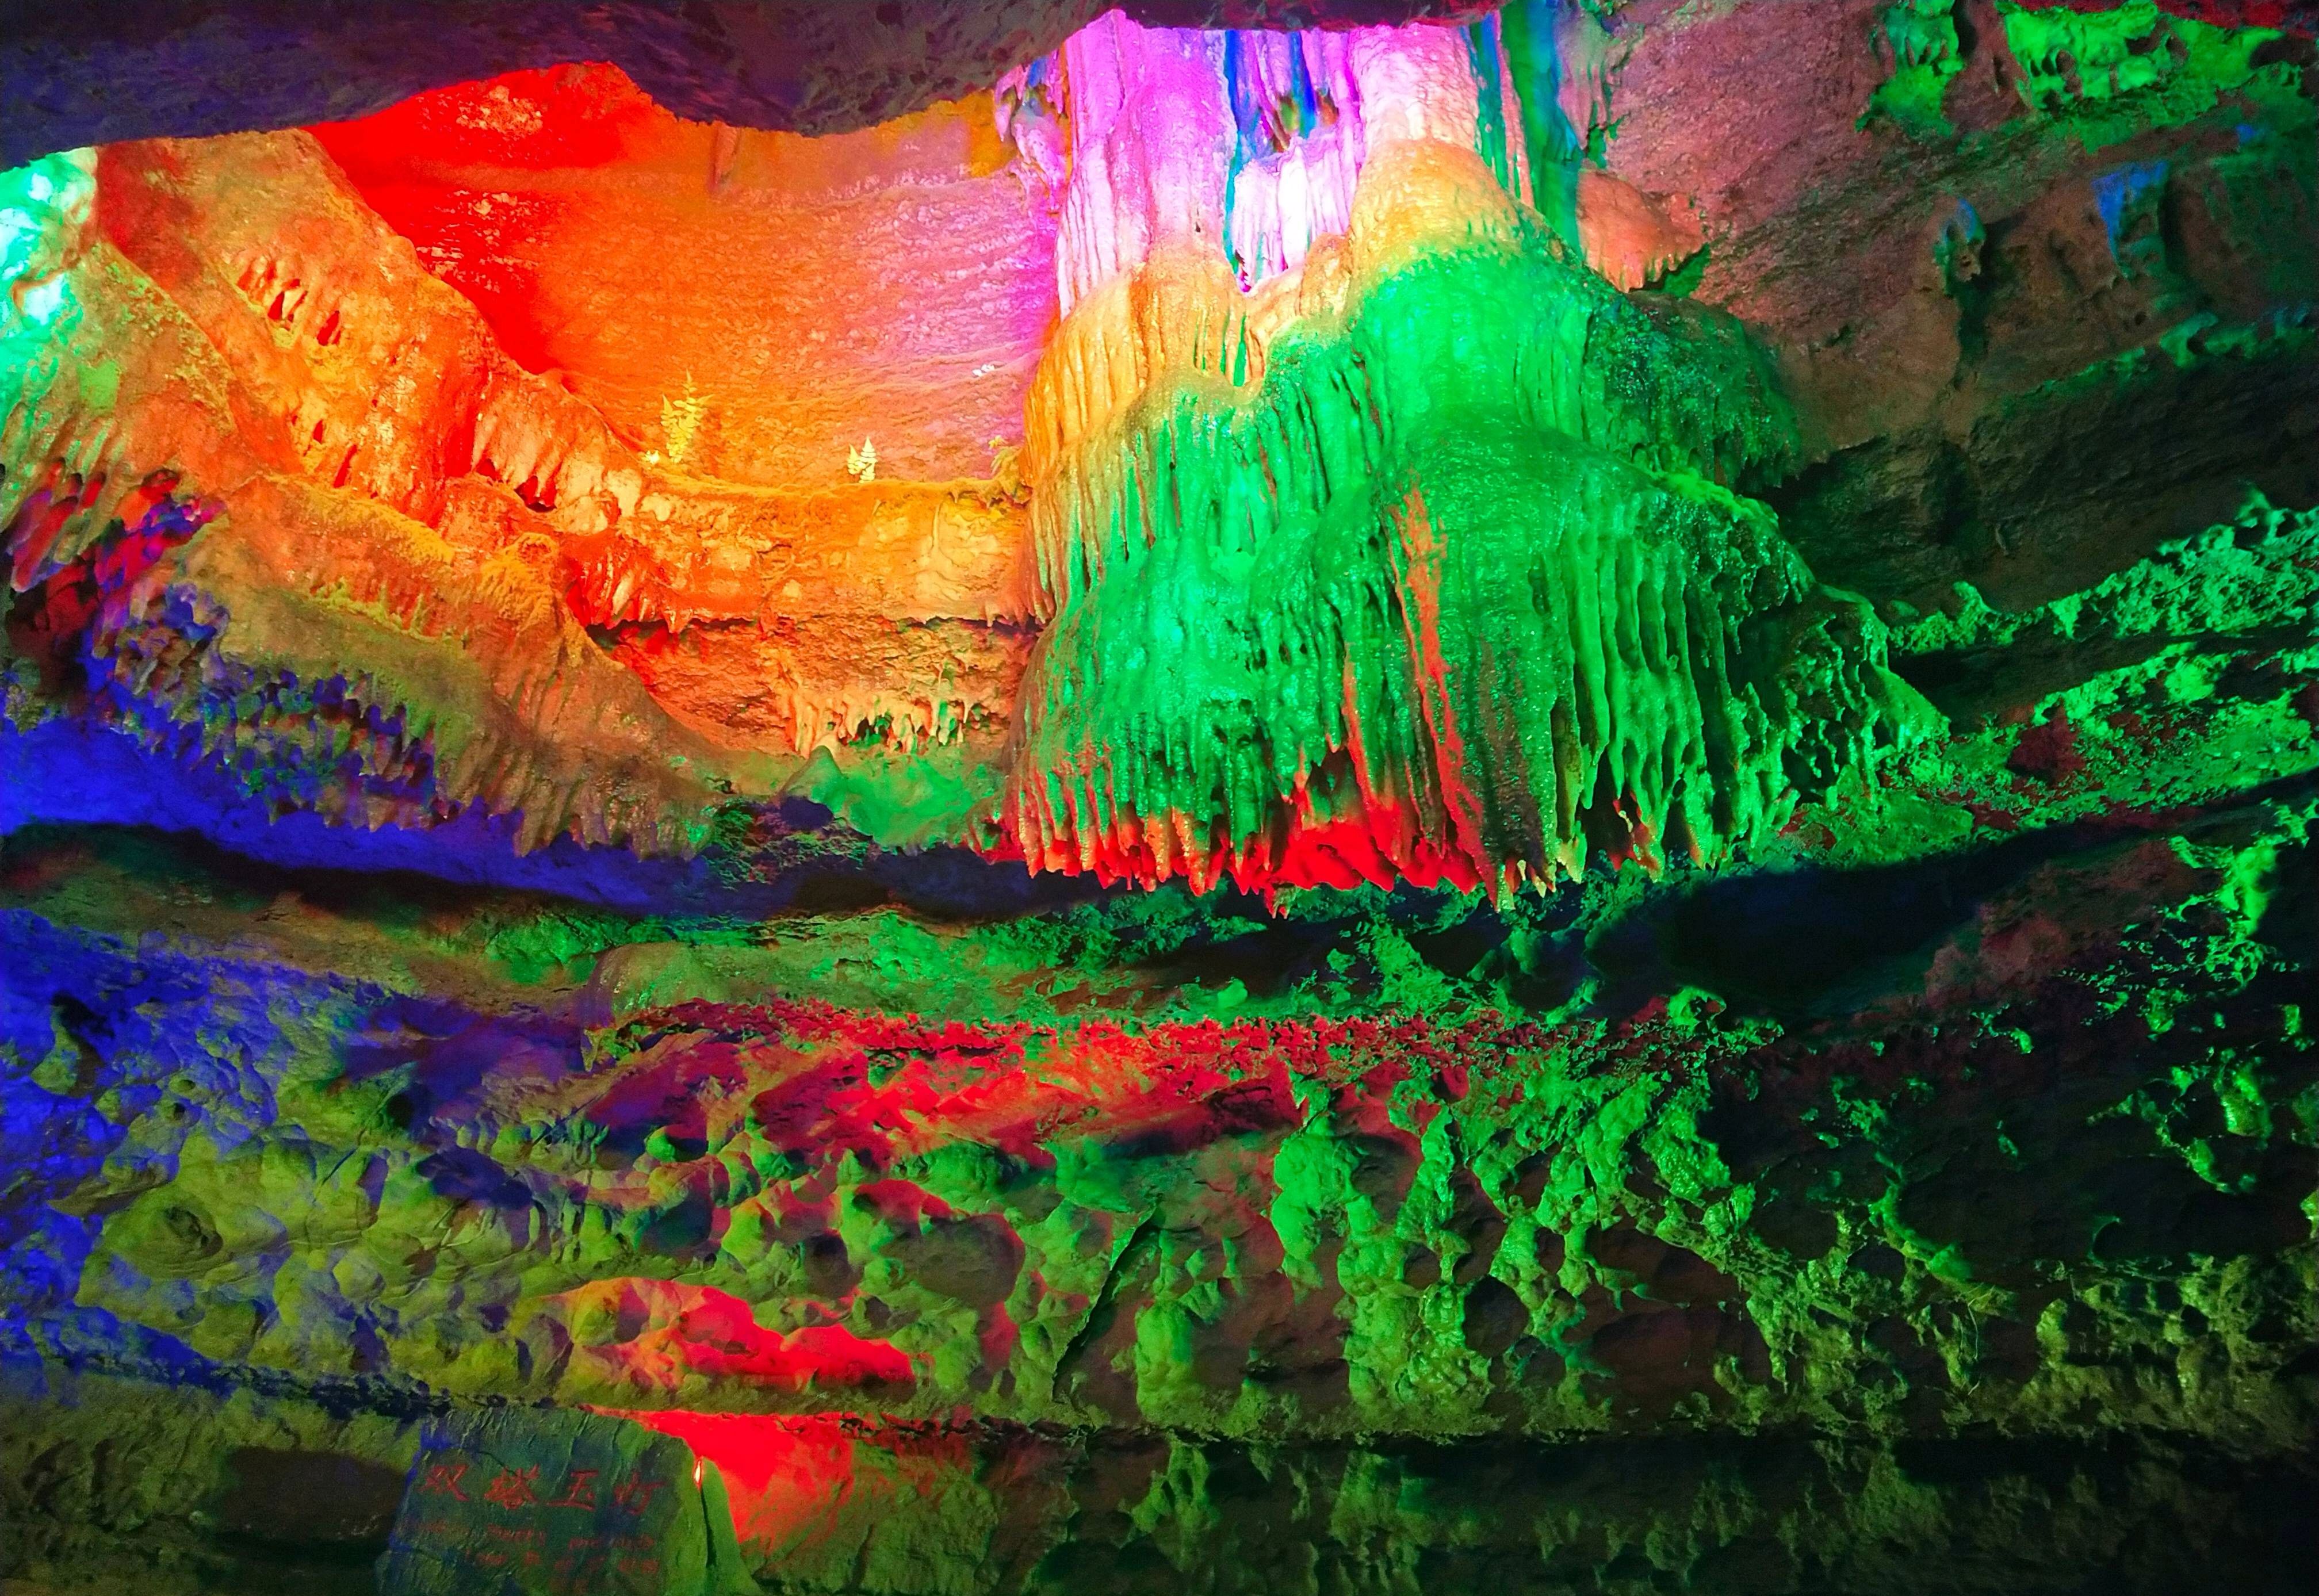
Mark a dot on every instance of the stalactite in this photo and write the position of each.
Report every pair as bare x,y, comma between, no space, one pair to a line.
1423,565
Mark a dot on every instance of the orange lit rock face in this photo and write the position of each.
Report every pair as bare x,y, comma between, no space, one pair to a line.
770,311
408,506
1630,238
892,284
274,346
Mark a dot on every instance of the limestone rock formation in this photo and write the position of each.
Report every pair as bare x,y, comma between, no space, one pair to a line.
1430,542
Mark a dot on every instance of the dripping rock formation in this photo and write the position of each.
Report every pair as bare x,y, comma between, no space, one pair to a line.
957,801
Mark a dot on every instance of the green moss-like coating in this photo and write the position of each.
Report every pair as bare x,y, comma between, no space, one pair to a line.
1919,37
1455,577
2115,71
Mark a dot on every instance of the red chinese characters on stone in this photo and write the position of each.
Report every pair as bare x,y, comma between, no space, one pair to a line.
580,1492
514,1488
443,1480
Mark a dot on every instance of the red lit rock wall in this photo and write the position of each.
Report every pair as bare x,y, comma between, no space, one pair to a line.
891,285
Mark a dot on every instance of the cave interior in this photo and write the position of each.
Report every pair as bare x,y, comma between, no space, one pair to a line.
1347,797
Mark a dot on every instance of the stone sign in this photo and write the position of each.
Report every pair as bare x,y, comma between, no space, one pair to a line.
521,1501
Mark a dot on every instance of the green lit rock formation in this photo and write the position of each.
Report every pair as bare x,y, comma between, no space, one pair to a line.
1451,591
